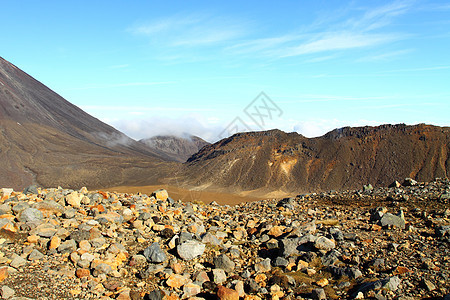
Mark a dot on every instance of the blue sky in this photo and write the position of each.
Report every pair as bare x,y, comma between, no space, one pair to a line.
153,67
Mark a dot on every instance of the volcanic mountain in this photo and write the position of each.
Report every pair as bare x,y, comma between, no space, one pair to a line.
178,148
341,159
46,139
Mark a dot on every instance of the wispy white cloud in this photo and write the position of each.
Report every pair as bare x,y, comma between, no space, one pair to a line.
338,41
191,30
346,33
318,127
376,18
385,56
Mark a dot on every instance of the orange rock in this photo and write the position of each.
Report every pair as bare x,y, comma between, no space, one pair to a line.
375,227
322,282
7,216
161,194
3,273
401,270
192,228
82,273
171,297
105,195
100,208
261,279
177,268
33,239
176,281
9,227
55,242
224,293
276,231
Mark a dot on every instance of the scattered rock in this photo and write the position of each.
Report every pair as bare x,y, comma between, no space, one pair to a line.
65,244
224,262
190,249
7,292
30,215
224,293
154,253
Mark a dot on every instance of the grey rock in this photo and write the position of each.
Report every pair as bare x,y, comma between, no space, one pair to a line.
337,234
330,258
390,284
224,262
323,243
184,237
7,292
289,246
17,261
445,196
70,213
251,286
152,269
209,238
354,273
30,215
102,269
154,295
281,262
80,235
19,207
35,255
67,246
389,219
155,254
32,189
318,294
190,249
287,203
263,266
219,276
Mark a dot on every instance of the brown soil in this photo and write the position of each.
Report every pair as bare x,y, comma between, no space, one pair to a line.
185,195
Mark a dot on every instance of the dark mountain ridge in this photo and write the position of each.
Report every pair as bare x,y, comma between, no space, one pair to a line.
344,158
177,148
48,140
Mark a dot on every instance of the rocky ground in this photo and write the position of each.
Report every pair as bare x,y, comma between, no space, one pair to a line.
375,243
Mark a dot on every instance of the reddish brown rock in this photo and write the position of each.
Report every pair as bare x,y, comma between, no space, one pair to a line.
224,293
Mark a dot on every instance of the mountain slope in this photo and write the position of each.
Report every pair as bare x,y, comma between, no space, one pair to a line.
342,159
46,139
178,148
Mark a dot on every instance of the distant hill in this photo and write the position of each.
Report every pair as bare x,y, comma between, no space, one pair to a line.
344,158
46,139
177,148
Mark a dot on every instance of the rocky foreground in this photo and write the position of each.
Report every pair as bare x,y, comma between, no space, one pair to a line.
375,243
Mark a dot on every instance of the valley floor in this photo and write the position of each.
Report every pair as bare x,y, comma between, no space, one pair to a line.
382,243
